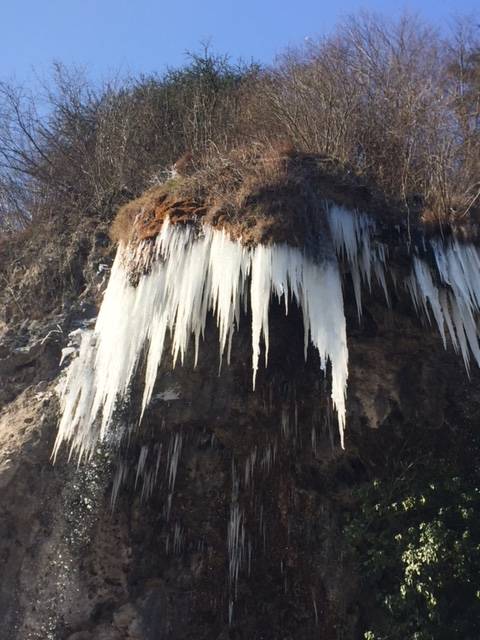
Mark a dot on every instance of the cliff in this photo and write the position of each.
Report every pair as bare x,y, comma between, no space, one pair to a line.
149,490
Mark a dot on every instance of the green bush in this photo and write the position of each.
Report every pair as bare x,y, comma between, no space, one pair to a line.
417,540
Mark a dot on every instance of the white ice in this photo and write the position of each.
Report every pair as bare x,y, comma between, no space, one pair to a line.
447,288
353,239
190,276
451,287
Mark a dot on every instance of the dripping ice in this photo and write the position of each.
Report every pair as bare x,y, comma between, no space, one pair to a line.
451,289
447,290
352,237
191,275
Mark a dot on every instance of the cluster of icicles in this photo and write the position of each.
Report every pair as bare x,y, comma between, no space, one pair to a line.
193,274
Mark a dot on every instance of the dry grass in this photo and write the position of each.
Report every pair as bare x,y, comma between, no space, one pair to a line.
142,218
259,194
390,108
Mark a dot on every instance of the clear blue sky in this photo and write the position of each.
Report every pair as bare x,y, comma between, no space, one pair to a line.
123,36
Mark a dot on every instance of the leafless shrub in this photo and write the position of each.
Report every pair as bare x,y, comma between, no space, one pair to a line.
378,96
90,149
395,103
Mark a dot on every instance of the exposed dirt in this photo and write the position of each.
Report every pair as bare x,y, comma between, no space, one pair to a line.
278,198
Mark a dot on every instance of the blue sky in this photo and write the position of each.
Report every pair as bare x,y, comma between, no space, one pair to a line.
122,36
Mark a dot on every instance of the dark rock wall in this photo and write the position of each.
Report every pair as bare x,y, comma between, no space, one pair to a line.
163,563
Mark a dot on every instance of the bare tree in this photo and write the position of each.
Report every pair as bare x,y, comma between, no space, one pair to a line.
394,102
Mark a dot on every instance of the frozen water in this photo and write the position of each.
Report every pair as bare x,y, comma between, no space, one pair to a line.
191,275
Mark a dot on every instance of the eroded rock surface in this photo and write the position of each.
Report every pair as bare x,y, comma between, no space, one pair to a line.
238,531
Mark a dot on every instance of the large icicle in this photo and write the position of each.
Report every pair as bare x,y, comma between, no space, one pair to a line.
191,275
450,288
455,301
352,237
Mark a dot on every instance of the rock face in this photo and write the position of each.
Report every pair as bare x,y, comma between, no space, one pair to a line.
229,511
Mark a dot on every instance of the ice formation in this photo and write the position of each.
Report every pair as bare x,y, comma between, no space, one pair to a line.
192,274
352,238
451,287
447,287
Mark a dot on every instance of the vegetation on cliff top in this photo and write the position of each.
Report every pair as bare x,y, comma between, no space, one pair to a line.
395,105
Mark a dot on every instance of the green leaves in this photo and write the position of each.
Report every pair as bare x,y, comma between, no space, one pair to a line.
417,542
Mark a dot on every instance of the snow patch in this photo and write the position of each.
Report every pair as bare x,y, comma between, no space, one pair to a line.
167,396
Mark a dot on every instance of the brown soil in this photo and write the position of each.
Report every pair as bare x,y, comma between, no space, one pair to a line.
277,197
142,218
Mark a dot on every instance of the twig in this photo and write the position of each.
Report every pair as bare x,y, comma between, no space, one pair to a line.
12,293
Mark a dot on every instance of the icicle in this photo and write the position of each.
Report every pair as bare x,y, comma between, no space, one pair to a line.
235,535
426,290
351,234
229,267
191,275
173,458
119,478
322,304
285,422
260,301
456,300
142,458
